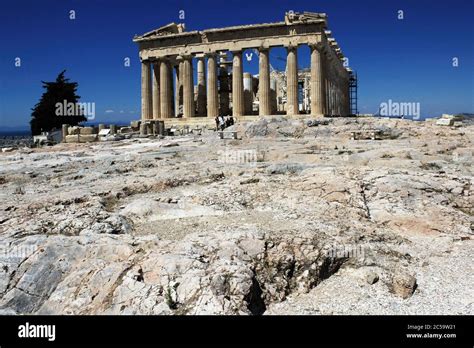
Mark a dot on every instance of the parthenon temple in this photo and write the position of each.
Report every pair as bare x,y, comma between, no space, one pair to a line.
169,91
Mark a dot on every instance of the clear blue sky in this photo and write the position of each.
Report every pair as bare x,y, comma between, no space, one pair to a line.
407,60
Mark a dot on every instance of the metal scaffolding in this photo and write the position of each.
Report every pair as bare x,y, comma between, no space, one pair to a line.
353,93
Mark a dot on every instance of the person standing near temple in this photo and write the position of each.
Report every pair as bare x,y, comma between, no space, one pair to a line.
221,123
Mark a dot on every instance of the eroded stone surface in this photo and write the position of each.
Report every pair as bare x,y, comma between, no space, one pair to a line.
133,227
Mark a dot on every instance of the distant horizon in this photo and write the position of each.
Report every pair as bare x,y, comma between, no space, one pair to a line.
406,59
88,123
128,120
26,128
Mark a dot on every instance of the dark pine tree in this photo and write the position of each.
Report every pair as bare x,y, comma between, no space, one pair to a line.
43,117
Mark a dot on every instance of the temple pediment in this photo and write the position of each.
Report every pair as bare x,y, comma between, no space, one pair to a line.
169,29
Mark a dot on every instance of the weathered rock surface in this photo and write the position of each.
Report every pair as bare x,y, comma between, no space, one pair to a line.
317,224
403,284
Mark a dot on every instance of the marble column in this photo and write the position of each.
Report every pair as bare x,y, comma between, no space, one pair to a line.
338,101
64,131
237,84
338,98
306,94
248,94
330,109
317,89
166,89
331,104
178,85
156,90
264,82
326,65
201,87
146,90
331,99
188,87
273,96
292,81
279,96
212,98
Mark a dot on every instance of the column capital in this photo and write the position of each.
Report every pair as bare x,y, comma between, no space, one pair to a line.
319,46
210,54
186,56
163,59
291,47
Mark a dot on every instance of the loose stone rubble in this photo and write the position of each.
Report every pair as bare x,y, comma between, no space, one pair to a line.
312,222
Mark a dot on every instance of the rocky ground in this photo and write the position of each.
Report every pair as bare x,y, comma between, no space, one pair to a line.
290,219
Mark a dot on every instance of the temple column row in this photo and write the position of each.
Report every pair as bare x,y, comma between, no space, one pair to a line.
328,95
